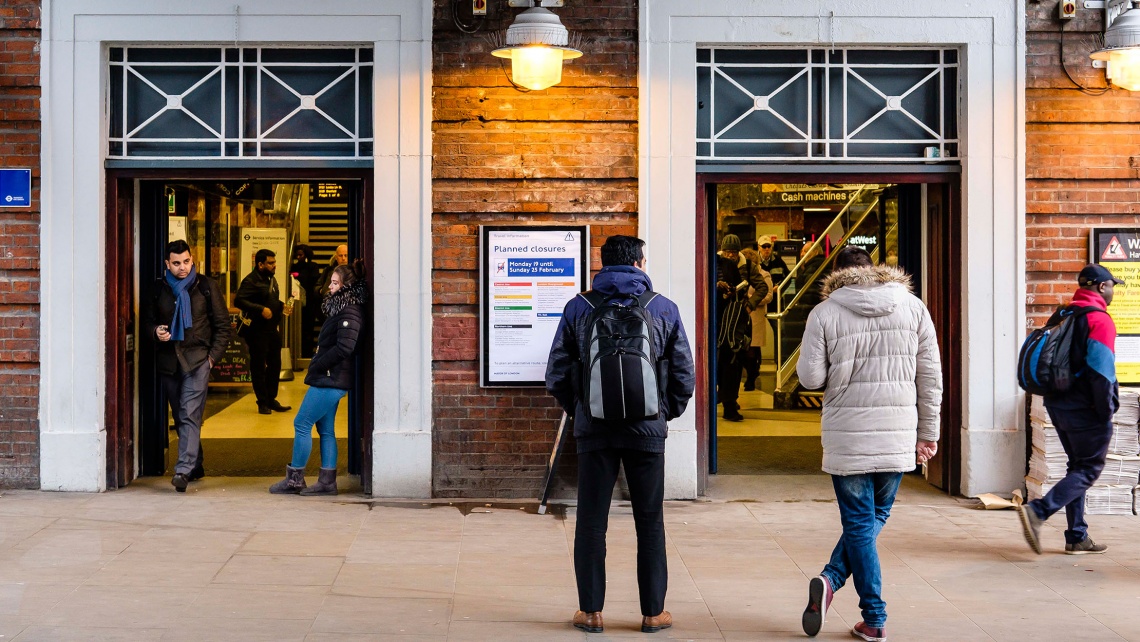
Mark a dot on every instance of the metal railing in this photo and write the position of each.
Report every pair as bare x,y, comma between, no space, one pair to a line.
840,230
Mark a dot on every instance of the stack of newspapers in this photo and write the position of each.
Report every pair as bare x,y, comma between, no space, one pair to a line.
1117,491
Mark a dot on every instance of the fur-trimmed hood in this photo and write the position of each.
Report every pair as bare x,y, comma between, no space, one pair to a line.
357,293
868,291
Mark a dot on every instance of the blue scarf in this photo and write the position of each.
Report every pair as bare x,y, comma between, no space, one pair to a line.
182,316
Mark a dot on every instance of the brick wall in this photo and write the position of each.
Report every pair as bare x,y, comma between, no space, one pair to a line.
1083,154
19,246
567,154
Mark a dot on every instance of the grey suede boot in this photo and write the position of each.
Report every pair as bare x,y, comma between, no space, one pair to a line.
326,484
293,483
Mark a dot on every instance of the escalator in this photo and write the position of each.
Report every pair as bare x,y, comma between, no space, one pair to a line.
860,219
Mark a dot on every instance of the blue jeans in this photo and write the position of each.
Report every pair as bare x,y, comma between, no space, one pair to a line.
1086,441
318,407
864,505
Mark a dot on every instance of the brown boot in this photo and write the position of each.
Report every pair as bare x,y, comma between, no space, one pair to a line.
293,483
588,622
326,484
653,624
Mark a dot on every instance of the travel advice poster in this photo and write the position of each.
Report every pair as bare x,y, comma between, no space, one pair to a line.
527,274
1118,249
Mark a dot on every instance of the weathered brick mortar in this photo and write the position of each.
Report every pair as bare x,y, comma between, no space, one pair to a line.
567,154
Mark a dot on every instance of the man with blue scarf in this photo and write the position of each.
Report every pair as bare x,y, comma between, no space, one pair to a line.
190,324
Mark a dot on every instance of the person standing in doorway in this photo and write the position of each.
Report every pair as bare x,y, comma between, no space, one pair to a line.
637,445
759,324
872,343
307,273
1082,414
774,265
260,299
329,379
190,324
740,287
339,258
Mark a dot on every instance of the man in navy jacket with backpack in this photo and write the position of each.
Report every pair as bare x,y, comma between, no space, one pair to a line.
1082,414
637,443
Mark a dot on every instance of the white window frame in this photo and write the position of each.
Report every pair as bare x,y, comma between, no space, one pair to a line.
991,41
76,38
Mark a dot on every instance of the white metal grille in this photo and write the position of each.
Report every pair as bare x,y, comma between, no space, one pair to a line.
230,102
898,105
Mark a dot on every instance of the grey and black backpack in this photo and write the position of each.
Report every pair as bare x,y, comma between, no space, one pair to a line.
619,364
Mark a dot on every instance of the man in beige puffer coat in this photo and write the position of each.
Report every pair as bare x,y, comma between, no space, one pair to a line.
871,341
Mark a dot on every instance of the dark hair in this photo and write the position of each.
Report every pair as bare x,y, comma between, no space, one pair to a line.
263,255
754,245
622,250
305,250
852,256
177,247
350,274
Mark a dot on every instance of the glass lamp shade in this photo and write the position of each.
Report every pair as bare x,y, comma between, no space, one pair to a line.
536,67
1122,51
1124,68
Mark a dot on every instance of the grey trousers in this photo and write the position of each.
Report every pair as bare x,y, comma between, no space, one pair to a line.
186,394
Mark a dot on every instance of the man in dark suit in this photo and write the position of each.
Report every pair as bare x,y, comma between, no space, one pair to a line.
260,299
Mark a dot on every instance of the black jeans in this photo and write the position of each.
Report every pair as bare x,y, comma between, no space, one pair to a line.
264,364
597,473
730,369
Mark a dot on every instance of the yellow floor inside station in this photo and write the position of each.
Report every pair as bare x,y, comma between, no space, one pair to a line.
768,441
240,420
238,441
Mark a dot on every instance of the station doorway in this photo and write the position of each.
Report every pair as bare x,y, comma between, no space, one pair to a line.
307,219
911,221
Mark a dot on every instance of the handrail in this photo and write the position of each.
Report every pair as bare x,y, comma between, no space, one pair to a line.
847,235
783,370
816,243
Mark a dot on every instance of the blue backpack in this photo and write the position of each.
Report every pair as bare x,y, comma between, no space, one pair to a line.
1044,365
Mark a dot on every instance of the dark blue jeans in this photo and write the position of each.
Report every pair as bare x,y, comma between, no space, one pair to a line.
864,505
1085,440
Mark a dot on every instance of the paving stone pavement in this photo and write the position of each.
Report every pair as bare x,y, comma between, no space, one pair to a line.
226,561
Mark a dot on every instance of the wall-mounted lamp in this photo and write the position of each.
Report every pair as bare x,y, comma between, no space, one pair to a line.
537,43
1121,51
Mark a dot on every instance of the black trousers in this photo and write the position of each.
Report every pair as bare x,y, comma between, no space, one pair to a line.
264,364
729,370
645,474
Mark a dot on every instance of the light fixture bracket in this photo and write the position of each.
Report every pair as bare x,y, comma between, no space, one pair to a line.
1112,9
531,3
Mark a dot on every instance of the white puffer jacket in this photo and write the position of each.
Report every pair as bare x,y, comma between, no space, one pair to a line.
871,341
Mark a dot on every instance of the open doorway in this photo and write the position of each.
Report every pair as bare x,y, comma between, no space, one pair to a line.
306,222
792,230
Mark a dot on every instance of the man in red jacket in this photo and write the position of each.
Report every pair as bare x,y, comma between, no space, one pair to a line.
1082,415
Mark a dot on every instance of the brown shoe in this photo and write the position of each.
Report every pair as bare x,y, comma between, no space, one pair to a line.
588,622
657,622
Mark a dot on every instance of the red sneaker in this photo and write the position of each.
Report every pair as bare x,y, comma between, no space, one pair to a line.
869,633
819,599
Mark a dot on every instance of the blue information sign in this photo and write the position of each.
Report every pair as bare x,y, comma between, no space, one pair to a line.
15,188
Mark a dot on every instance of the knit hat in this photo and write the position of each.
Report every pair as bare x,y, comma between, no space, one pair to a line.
730,243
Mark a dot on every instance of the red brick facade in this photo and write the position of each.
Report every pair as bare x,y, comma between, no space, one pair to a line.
19,247
1083,154
567,154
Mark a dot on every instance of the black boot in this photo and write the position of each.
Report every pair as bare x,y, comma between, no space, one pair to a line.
293,483
326,484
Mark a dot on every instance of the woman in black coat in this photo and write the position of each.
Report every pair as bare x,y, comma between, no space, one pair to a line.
329,378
